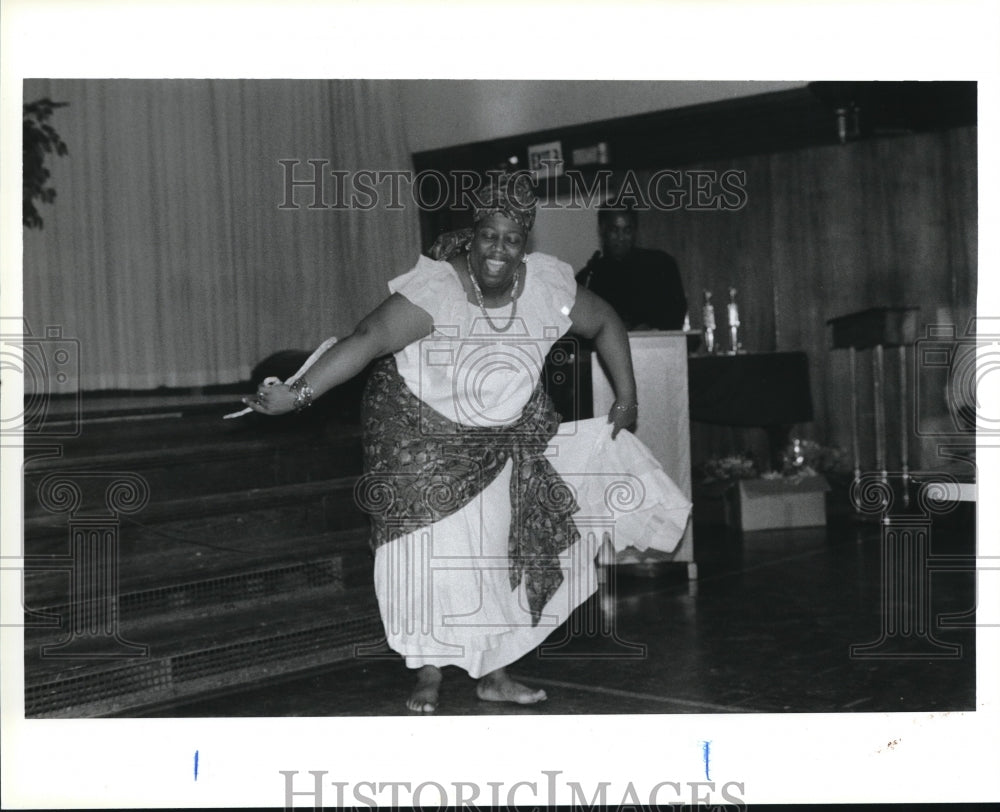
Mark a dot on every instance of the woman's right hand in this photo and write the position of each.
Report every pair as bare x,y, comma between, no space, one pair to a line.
273,397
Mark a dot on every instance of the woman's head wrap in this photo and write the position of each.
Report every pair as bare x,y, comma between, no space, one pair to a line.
509,194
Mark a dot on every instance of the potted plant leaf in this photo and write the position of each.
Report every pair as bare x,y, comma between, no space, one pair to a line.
39,141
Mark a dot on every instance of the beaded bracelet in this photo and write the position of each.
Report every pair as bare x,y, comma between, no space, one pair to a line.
303,394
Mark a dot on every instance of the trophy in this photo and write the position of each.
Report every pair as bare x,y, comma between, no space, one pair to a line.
708,318
734,323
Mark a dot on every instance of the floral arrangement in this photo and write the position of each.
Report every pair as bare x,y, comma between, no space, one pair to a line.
729,469
802,458
808,458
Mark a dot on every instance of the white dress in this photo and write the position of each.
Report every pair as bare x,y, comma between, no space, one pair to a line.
444,592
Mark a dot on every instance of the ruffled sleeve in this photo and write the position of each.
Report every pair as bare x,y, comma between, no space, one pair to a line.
555,293
431,286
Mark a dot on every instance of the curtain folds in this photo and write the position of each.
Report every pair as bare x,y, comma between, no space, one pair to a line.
167,253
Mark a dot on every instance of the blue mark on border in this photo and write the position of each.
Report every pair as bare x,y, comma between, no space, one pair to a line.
706,750
195,765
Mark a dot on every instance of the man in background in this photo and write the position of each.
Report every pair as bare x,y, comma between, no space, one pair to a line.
643,285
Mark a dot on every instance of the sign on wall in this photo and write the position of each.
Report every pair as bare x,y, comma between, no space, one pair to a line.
546,160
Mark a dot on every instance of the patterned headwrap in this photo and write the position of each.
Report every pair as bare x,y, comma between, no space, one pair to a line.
509,194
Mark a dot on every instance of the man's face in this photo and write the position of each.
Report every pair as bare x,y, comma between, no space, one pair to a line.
618,236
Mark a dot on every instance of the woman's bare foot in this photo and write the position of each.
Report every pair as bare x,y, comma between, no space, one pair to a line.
424,698
497,686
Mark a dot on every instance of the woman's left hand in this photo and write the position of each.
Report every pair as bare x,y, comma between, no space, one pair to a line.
623,414
273,397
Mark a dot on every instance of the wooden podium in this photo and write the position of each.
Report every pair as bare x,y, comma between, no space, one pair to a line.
660,361
879,328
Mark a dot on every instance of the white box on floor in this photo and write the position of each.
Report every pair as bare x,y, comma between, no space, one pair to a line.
767,504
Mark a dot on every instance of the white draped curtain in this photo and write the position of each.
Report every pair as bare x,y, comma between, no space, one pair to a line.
166,253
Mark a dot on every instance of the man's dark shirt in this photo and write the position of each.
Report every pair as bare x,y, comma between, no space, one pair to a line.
644,288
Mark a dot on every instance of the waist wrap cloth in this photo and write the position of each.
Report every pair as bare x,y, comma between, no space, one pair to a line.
421,467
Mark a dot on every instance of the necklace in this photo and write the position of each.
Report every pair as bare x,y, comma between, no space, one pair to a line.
482,303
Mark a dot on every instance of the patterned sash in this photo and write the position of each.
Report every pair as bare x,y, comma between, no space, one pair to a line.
421,467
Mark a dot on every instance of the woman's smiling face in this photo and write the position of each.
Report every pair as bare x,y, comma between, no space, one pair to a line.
496,250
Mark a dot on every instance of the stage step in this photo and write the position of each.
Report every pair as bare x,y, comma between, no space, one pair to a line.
199,653
308,608
218,516
168,426
191,469
167,570
249,560
349,571
214,535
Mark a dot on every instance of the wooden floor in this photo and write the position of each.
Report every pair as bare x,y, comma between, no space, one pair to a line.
769,627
